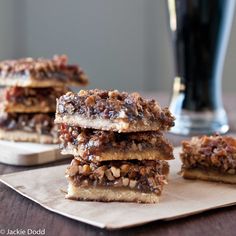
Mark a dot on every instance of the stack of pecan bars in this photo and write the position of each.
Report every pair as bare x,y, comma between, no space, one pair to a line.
119,149
28,102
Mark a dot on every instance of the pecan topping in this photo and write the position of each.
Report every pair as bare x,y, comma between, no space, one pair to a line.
217,152
114,105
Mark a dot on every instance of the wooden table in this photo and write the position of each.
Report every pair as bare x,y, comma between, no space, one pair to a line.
17,212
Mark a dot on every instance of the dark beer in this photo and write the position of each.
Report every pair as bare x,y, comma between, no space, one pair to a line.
200,40
200,30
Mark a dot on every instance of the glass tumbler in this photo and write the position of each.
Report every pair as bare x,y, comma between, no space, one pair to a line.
200,32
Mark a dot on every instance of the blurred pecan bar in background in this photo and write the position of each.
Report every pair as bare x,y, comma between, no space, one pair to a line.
41,72
24,99
210,158
28,127
119,149
28,103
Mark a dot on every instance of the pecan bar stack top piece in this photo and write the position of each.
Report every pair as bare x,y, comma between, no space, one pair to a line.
211,158
119,149
28,103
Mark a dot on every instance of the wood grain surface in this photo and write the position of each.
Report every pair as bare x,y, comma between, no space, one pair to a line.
17,212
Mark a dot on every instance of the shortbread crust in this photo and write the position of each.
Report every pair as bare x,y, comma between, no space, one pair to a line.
110,194
208,175
23,136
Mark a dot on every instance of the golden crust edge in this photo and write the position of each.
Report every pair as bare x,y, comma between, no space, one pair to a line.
109,194
209,175
106,124
35,83
117,155
23,136
19,108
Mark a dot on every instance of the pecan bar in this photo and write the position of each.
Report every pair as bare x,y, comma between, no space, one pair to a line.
112,111
41,72
130,181
28,127
97,145
31,100
210,158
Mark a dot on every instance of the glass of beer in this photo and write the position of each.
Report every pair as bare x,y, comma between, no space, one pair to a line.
200,31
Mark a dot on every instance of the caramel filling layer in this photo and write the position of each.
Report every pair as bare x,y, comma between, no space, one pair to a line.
91,142
29,122
143,176
30,97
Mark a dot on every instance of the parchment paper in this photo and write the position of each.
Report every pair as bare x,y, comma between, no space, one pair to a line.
180,198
